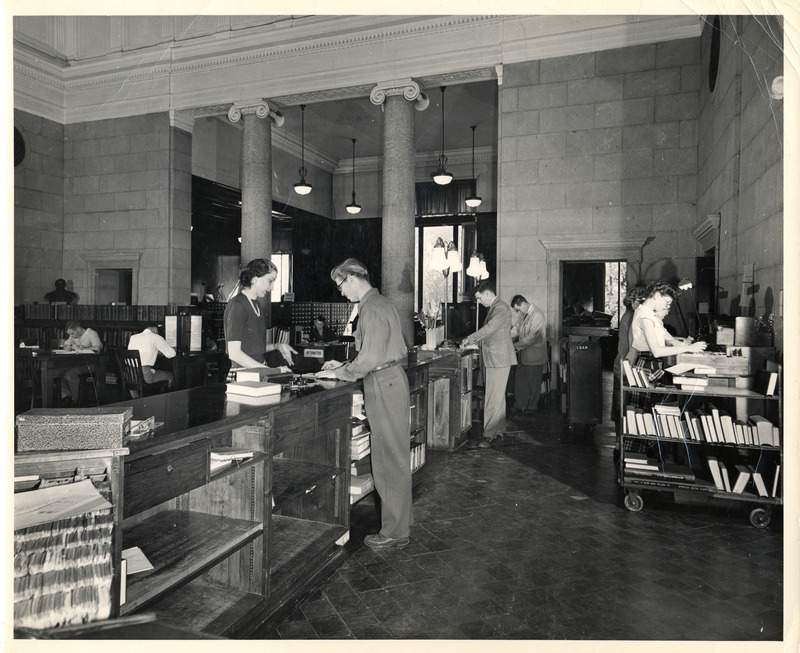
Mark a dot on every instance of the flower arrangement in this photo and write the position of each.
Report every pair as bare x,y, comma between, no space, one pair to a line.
765,324
430,318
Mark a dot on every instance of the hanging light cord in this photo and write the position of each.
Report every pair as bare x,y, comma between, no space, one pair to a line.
303,143
442,158
354,170
473,151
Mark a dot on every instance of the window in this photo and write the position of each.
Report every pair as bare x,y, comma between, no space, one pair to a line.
284,282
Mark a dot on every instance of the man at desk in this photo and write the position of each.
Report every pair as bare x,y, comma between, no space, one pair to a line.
149,344
79,340
321,331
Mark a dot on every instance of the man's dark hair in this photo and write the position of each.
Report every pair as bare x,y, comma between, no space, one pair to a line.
516,300
483,286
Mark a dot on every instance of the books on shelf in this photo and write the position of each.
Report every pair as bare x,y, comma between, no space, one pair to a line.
716,474
258,374
741,479
765,433
775,480
765,382
362,466
758,481
253,388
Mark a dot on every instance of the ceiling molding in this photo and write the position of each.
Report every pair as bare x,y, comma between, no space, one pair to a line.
350,53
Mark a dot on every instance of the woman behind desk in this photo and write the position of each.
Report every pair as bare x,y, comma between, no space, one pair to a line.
244,319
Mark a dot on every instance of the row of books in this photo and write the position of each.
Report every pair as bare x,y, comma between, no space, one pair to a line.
708,424
744,475
122,313
359,428
638,466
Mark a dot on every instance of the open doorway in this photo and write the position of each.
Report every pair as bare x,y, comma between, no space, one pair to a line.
592,292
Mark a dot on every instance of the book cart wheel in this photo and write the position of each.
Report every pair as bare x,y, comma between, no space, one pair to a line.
634,502
760,517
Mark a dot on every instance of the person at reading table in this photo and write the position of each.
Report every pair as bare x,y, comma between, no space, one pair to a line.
245,321
79,340
149,345
380,345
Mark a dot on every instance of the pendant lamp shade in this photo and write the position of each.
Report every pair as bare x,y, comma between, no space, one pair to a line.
473,200
441,176
353,207
302,187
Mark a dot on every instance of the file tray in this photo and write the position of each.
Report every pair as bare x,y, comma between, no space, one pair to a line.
70,429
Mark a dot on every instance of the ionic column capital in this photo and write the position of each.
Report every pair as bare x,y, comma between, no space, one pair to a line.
406,87
259,107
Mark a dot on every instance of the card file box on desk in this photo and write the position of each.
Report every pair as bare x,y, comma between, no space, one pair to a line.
66,429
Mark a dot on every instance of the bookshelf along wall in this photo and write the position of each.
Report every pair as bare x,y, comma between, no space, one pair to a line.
703,441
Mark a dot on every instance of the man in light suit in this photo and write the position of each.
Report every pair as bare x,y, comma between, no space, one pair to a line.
531,344
497,353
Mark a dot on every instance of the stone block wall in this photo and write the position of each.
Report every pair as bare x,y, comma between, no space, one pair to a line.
601,144
740,177
38,208
123,180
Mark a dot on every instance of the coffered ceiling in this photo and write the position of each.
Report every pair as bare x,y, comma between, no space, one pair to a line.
79,68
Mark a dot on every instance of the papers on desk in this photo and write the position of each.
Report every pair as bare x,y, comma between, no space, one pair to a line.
56,502
66,351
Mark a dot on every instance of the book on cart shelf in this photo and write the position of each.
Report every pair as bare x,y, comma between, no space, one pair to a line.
758,481
775,480
742,478
253,388
716,473
765,382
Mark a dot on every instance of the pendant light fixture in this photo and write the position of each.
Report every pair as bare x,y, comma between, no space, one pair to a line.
302,188
353,207
441,176
473,200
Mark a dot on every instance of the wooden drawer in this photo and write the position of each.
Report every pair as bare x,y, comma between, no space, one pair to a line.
151,480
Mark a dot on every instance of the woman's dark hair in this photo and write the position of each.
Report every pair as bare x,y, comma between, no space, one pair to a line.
321,318
660,288
635,294
258,267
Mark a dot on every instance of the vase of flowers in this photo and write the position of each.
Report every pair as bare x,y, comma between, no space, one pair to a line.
434,332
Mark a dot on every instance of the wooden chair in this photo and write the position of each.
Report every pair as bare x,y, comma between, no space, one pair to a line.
27,380
129,365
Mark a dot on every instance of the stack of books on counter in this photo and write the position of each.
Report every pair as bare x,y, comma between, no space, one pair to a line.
255,393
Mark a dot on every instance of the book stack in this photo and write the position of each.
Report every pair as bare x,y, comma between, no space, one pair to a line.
636,377
640,466
361,481
252,388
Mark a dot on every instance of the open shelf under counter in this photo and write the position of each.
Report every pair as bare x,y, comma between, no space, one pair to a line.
297,545
180,545
294,478
212,609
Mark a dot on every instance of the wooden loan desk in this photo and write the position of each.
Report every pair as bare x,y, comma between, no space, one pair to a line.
230,547
52,366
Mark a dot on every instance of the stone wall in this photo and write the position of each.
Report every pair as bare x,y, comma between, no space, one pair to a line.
741,165
38,209
600,145
127,196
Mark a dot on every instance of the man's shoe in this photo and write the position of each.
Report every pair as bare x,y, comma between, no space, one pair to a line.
378,541
485,443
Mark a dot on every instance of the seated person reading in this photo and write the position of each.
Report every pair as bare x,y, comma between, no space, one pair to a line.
79,340
149,345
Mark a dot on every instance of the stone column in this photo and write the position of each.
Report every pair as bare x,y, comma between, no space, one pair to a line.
256,175
256,180
397,248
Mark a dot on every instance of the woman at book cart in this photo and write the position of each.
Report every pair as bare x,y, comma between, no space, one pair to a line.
245,321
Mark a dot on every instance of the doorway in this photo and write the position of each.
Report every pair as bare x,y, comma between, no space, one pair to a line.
113,286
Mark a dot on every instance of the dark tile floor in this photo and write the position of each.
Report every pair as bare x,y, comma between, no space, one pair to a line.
530,541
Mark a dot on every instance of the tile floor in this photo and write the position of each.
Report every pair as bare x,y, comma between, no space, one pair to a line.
530,541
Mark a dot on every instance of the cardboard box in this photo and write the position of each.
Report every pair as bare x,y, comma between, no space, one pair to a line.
71,429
